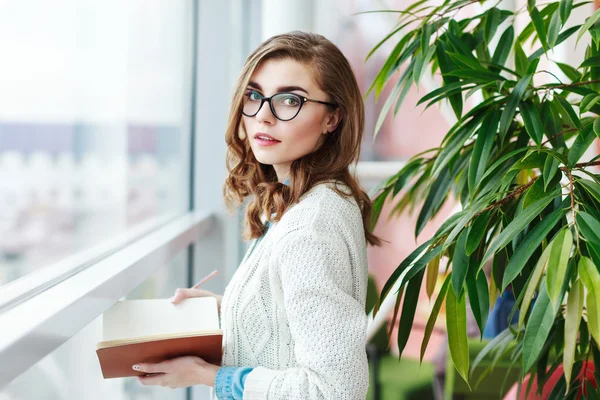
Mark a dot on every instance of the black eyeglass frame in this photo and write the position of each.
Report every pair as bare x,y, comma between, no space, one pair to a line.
268,99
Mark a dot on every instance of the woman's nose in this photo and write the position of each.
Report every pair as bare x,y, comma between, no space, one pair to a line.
265,115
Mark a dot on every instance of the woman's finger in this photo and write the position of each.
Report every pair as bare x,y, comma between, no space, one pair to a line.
151,379
178,296
182,294
153,368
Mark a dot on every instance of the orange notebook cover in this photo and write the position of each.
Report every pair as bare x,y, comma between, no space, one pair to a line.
154,330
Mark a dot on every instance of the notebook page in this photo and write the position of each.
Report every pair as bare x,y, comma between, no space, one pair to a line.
135,318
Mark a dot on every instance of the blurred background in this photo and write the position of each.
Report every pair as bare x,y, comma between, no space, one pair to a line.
112,119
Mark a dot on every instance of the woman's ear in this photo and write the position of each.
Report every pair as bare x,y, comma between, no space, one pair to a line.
333,120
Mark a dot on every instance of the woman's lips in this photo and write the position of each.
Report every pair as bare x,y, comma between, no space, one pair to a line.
263,142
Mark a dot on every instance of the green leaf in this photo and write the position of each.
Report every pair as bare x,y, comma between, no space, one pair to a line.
468,62
477,76
490,347
588,24
395,315
569,71
402,96
558,155
537,328
572,319
435,198
456,326
477,289
532,285
533,159
535,192
503,48
381,77
511,105
409,306
531,242
533,121
432,272
588,102
421,264
445,67
517,225
417,254
591,62
482,149
561,38
460,263
565,9
550,170
592,187
447,90
591,279
385,39
425,38
477,231
422,63
404,80
594,252
530,5
553,29
377,207
434,314
597,127
492,20
557,264
456,141
538,24
405,174
584,336
466,216
521,61
583,141
568,111
589,227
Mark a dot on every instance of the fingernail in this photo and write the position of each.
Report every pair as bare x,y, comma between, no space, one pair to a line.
136,367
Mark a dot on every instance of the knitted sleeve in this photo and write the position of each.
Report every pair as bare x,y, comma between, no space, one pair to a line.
328,324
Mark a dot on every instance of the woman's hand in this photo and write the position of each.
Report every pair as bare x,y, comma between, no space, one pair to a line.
178,372
182,294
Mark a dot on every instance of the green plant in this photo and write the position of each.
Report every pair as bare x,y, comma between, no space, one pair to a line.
530,205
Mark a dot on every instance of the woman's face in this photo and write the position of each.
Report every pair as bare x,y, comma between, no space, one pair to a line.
297,137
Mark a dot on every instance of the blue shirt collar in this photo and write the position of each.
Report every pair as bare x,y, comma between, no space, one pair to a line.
287,181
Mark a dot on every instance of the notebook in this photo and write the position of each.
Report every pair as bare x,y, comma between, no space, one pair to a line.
154,330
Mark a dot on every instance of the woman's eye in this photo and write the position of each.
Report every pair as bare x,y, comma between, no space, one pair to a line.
253,95
290,101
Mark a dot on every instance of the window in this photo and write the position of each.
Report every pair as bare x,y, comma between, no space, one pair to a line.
73,372
94,123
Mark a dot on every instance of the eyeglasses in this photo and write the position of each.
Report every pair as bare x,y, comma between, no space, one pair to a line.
284,106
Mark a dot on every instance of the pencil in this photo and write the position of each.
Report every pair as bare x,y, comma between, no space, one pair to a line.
205,279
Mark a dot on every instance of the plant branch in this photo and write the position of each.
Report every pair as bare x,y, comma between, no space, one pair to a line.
511,195
571,84
560,134
548,72
586,164
571,192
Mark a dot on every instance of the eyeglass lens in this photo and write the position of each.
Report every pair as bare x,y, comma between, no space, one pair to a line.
285,106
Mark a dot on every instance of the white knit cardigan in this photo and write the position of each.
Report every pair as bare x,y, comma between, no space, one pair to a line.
295,308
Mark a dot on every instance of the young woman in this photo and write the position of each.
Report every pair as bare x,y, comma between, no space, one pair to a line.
293,315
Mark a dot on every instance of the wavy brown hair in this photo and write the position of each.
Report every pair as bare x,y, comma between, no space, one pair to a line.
330,161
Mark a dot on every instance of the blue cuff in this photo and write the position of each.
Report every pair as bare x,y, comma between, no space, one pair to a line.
239,380
229,382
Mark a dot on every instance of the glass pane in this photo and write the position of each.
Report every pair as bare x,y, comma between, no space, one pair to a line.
73,372
94,118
